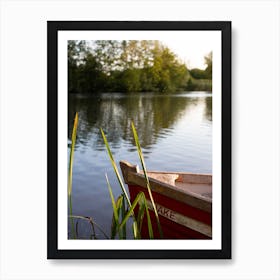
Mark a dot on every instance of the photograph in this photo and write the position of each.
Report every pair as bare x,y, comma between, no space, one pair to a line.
142,110
113,85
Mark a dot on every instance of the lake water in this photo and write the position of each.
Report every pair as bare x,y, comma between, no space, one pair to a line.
175,133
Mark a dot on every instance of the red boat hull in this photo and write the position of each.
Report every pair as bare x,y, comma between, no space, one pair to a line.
168,209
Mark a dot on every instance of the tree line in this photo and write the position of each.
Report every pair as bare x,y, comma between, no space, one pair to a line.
131,66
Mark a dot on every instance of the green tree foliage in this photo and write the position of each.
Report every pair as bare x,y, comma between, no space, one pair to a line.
198,73
91,77
73,69
201,79
199,84
208,62
128,66
169,75
203,74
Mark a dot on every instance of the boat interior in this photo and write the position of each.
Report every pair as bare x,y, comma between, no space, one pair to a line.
198,184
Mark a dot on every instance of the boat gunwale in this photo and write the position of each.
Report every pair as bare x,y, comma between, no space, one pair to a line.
132,176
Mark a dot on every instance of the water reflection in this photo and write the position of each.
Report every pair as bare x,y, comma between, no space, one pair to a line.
154,116
208,108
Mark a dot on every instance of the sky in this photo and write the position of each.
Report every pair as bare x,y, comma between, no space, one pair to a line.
192,55
192,48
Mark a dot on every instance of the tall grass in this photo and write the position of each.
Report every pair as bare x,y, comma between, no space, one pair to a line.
123,208
146,176
122,213
70,174
136,232
140,200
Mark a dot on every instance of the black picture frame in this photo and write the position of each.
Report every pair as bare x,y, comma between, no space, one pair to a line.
53,27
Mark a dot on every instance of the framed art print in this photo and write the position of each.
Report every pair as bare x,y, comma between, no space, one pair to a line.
139,140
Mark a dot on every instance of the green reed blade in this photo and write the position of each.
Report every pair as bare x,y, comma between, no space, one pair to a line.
134,225
136,232
123,213
115,167
113,227
71,159
119,205
140,216
143,207
137,201
115,218
150,227
70,214
115,212
115,222
142,202
130,211
70,172
146,176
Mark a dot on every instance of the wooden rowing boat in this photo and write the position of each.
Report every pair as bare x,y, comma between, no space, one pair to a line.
183,201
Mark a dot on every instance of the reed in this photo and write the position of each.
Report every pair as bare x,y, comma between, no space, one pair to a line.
141,157
140,200
70,174
123,208
118,210
136,232
92,223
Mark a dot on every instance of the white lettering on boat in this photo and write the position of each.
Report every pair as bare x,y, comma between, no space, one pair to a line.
181,219
165,212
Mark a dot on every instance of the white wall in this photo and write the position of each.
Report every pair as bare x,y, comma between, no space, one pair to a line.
255,127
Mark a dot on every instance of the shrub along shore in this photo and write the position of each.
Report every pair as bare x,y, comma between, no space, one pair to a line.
132,66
